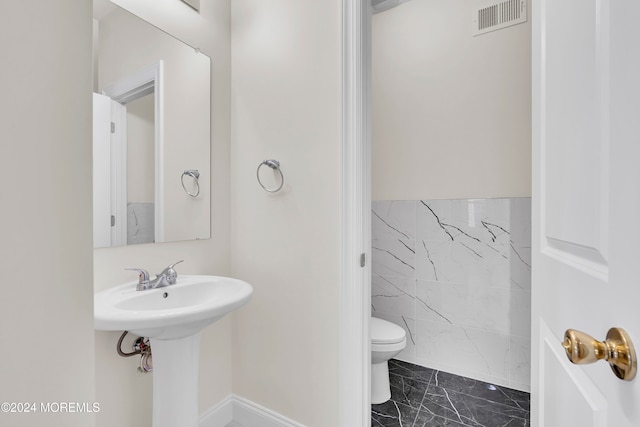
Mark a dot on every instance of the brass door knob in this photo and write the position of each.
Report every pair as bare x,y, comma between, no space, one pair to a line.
617,349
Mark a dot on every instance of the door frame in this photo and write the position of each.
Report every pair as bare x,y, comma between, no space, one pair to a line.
355,257
134,86
118,170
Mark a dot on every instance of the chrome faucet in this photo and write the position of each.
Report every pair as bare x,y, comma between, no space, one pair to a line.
167,277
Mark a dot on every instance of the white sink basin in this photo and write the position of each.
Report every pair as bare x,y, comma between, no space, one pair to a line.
171,312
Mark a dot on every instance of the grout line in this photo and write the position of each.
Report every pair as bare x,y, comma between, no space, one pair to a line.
424,395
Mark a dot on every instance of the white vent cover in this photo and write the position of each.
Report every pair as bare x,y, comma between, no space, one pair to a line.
497,14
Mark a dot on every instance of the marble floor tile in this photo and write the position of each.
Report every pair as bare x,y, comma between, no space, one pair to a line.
430,420
422,397
493,393
408,391
392,414
469,410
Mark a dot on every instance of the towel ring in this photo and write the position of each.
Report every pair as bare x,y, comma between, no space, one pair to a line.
193,173
275,165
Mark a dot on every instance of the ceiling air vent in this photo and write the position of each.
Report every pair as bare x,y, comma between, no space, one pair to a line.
495,15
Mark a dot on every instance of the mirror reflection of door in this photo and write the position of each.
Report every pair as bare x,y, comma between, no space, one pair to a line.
140,170
144,201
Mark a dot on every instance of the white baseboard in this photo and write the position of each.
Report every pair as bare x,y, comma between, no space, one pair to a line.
245,413
218,415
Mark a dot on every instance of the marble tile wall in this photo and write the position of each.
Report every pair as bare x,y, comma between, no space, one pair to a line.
456,275
140,223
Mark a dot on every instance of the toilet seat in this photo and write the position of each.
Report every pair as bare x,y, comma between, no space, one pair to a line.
384,332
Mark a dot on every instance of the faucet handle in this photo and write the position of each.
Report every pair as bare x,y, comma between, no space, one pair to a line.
143,275
170,273
172,265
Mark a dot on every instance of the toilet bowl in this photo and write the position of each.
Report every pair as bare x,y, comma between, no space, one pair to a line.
387,340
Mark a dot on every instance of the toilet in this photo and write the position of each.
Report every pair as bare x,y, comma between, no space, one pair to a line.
387,340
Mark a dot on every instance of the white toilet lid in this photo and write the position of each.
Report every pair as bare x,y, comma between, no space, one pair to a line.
383,332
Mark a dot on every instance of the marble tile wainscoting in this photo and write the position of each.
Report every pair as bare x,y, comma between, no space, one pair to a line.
456,275
423,397
140,223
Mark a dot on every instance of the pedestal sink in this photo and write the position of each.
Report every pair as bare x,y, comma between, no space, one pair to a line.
172,317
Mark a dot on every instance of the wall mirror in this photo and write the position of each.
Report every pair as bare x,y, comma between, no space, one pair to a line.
152,133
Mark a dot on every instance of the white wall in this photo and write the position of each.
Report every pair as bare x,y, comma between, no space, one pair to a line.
46,307
125,393
451,112
286,103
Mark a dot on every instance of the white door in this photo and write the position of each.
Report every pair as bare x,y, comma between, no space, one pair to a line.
109,172
118,173
586,210
101,171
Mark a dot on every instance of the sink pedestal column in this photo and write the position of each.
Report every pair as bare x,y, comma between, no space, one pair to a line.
175,381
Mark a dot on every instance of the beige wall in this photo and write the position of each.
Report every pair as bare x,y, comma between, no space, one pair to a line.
125,393
46,308
451,112
286,103
140,149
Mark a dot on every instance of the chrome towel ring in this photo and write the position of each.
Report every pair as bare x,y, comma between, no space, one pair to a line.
275,165
193,173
